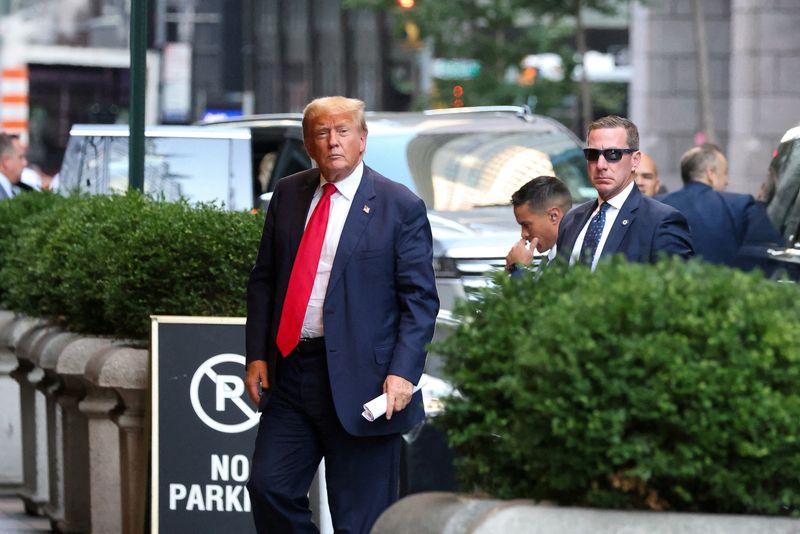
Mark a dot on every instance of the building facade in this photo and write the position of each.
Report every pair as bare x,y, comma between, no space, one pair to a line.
753,58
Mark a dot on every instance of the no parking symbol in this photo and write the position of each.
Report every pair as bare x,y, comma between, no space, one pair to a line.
229,398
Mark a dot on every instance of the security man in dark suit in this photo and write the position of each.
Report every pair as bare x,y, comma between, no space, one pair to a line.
622,220
724,225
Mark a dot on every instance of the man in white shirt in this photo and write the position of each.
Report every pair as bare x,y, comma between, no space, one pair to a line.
539,206
622,220
12,161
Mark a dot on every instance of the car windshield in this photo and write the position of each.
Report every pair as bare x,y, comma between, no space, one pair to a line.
455,171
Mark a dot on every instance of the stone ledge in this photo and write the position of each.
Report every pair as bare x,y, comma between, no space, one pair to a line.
449,513
119,367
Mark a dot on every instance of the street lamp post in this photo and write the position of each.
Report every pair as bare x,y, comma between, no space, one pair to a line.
138,75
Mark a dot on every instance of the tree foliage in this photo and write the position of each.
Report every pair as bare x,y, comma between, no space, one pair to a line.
498,34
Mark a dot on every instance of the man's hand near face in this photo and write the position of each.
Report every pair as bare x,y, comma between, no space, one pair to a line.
521,253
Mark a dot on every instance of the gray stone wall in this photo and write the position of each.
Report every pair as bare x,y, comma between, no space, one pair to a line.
664,94
754,60
765,85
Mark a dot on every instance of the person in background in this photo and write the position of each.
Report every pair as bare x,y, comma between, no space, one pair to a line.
341,304
12,162
724,225
621,220
539,206
646,177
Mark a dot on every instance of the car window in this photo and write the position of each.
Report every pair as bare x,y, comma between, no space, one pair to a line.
198,169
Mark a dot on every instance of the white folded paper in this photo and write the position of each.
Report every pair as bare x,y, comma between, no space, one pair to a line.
376,408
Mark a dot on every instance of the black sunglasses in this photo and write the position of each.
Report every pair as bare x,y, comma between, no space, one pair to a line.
611,154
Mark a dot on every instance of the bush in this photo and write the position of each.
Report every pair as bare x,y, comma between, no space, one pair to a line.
103,264
670,386
14,216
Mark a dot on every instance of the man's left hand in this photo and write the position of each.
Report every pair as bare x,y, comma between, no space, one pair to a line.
398,394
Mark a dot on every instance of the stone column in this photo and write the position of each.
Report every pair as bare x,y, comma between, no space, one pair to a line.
28,350
664,95
122,373
764,85
64,355
35,485
104,464
133,458
10,417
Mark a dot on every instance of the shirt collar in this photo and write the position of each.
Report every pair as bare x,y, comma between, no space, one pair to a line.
348,185
618,200
5,183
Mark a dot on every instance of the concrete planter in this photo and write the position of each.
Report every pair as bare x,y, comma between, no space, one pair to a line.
448,513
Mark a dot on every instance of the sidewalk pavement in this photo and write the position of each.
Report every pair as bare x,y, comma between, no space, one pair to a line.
14,520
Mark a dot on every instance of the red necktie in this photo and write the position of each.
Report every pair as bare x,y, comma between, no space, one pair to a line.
304,271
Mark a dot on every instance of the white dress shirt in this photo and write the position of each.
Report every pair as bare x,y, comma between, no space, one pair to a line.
615,204
341,201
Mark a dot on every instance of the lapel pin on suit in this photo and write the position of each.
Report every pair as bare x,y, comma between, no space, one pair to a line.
624,222
366,209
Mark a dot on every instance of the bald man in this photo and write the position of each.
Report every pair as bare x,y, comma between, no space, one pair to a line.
646,176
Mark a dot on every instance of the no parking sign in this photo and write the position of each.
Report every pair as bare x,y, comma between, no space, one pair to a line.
203,426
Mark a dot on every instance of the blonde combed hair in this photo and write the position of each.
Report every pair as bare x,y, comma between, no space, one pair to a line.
333,105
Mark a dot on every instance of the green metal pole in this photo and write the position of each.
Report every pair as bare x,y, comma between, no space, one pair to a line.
138,73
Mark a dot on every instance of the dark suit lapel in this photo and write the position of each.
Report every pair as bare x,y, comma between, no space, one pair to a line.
624,220
582,215
297,217
354,226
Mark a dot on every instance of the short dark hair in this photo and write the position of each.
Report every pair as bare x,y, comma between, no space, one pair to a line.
697,160
615,121
543,192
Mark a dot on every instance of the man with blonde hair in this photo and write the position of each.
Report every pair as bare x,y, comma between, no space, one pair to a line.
341,303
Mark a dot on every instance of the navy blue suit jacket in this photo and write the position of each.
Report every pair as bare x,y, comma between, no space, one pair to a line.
643,228
722,223
381,304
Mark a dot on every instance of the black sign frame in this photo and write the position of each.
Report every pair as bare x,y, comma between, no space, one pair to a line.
200,453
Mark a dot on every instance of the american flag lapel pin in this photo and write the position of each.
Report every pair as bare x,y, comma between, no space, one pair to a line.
366,209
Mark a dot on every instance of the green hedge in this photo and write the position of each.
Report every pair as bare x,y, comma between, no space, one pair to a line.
103,264
674,386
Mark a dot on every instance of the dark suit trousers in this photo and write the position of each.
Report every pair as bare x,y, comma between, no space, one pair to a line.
298,427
